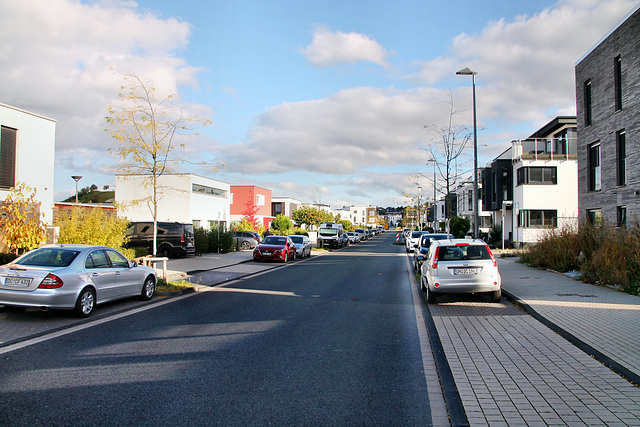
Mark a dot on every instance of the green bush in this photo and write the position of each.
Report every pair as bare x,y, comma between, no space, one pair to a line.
92,227
602,253
459,226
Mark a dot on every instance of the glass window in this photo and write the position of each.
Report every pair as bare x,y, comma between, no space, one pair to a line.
260,200
594,168
594,216
49,258
588,119
117,260
7,157
97,259
622,216
621,154
617,72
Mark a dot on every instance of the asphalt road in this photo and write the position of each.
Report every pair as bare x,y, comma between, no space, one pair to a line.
332,340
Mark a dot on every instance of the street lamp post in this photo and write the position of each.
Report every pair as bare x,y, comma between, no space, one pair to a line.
76,178
468,72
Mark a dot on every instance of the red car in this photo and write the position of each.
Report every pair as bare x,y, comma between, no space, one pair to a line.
279,248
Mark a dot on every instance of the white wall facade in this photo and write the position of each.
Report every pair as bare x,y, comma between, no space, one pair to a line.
182,197
561,197
35,151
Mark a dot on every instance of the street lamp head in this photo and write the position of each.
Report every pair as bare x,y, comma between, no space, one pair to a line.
76,178
466,72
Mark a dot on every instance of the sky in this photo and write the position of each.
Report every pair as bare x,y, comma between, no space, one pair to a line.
332,102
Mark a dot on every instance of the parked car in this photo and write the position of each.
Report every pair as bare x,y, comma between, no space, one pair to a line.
353,236
173,238
303,245
412,240
73,277
460,266
279,248
423,246
246,239
361,233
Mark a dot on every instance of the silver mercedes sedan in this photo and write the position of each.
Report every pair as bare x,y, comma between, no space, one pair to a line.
73,277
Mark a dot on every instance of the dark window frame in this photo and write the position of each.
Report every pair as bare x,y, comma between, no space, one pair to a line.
588,103
621,158
8,148
594,169
617,73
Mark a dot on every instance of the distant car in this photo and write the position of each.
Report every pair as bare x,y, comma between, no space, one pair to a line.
423,246
172,238
353,236
460,266
73,277
246,239
303,245
278,248
361,233
412,240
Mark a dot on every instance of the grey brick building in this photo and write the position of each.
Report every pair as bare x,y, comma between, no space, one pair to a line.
608,112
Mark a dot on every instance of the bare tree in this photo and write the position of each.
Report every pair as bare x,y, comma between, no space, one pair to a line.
148,132
447,145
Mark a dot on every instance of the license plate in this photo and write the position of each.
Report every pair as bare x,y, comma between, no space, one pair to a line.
17,281
465,271
266,253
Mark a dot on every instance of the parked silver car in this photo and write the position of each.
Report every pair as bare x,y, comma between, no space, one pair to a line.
73,277
460,266
303,245
353,237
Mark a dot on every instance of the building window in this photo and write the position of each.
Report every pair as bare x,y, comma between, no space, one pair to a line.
617,72
202,189
537,175
588,119
621,216
7,157
538,218
196,224
594,167
594,216
260,200
621,158
494,190
470,200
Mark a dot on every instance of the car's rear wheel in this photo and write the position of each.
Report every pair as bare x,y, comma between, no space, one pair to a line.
165,251
148,289
495,296
431,297
246,245
423,286
285,257
86,303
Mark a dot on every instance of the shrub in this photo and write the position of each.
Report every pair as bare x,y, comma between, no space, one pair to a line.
6,258
557,250
495,234
459,226
92,227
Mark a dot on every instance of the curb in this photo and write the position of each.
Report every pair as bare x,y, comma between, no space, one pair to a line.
600,357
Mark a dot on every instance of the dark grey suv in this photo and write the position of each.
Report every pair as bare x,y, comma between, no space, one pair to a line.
173,239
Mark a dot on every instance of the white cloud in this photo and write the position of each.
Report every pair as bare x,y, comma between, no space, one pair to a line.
331,48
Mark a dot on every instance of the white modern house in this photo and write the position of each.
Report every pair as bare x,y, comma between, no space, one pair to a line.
532,187
281,205
27,150
187,198
464,208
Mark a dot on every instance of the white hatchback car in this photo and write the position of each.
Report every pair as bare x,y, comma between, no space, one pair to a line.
460,266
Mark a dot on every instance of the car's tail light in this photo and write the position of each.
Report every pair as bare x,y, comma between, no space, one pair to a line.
182,238
462,244
493,259
51,282
435,258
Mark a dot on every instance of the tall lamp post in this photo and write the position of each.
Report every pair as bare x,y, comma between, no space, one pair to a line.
76,178
467,72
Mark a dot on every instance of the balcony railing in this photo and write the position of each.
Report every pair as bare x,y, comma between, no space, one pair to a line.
545,149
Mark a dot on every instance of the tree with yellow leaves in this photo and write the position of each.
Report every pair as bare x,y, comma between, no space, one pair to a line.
20,220
149,135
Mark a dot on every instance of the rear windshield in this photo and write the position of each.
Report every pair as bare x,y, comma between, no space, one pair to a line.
459,253
48,258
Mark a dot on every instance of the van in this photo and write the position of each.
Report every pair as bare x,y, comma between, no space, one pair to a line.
173,238
330,234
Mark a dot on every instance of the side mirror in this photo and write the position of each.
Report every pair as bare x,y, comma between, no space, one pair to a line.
133,264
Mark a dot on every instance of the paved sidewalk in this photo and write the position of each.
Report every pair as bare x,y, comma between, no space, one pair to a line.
185,267
605,319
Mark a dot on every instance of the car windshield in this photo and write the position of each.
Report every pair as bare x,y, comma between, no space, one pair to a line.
297,239
328,231
459,253
46,257
273,240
